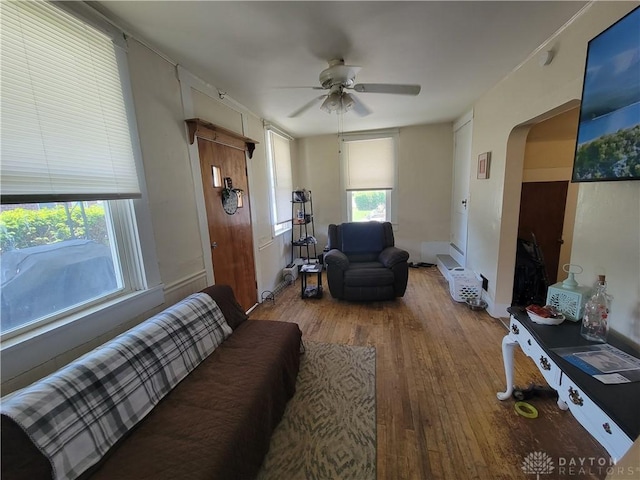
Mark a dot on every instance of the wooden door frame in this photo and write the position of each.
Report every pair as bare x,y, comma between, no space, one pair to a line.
467,118
187,82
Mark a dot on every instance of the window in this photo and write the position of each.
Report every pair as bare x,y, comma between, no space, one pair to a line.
55,257
367,205
369,166
279,156
68,232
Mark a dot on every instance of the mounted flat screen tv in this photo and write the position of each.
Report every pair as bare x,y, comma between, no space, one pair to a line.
608,143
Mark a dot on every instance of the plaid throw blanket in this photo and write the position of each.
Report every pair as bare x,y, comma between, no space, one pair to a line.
76,414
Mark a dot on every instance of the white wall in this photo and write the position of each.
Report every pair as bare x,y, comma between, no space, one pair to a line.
173,201
425,181
607,241
163,141
501,121
425,155
318,170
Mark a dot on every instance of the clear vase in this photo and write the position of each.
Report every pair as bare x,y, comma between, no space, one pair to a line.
595,322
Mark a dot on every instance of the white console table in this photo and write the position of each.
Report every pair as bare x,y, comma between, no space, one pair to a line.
611,413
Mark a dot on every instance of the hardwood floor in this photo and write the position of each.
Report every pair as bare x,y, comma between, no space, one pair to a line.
438,368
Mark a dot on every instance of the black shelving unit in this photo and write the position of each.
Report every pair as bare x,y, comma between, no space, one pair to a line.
303,240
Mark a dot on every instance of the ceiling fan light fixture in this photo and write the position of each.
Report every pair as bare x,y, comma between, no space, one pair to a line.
337,78
327,106
332,103
347,102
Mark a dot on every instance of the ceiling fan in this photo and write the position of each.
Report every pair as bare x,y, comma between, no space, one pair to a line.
337,79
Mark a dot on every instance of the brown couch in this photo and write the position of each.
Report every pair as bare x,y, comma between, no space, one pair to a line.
216,423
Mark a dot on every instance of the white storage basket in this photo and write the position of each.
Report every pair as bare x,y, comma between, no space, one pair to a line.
464,284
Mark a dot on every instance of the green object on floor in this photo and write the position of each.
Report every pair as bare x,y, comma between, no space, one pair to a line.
526,410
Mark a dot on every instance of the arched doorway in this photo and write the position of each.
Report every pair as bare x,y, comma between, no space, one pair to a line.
514,177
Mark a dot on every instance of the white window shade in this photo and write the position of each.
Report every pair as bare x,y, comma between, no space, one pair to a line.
370,164
65,133
283,178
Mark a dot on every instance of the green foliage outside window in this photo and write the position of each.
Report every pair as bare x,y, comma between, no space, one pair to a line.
369,200
24,227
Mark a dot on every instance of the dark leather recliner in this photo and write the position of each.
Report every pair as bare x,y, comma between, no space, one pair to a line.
363,263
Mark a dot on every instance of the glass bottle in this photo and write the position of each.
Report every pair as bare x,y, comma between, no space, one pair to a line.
595,323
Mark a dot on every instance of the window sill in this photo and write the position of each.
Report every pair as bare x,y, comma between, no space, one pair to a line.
47,342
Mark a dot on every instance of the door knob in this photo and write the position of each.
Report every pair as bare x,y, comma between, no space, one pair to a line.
214,244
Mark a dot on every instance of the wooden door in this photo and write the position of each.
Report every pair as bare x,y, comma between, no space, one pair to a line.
542,206
230,235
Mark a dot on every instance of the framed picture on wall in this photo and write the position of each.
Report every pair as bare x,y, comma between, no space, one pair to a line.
484,160
609,125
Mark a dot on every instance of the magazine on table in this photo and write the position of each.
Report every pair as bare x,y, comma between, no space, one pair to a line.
603,362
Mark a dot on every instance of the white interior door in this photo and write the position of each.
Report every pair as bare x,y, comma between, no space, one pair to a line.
459,207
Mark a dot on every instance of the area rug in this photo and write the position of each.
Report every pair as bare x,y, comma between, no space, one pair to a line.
329,427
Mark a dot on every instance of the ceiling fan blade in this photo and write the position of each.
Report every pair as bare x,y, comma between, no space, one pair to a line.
387,88
315,87
360,108
306,106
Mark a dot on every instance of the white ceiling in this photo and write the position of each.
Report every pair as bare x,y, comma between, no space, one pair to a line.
455,50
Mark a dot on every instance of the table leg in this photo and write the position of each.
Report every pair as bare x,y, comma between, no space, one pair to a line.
507,357
562,405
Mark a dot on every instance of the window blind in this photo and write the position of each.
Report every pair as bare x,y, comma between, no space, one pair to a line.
283,178
370,164
65,133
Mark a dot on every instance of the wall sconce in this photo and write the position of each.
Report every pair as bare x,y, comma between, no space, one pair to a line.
217,176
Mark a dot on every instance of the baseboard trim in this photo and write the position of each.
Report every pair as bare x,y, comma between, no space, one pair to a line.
496,310
196,280
445,264
271,294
